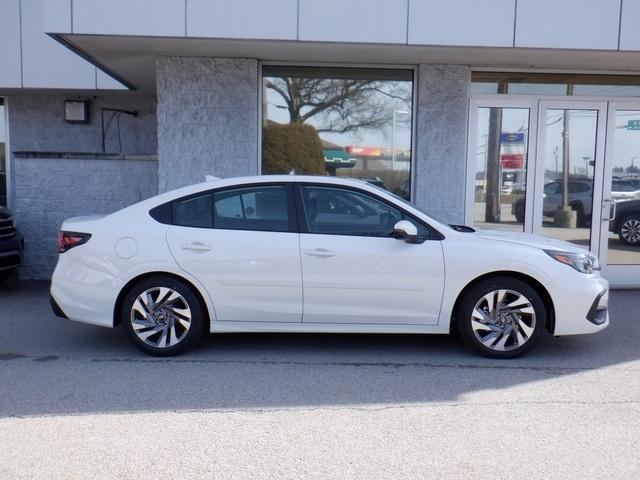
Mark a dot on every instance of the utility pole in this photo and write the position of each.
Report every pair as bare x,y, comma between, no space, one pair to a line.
492,193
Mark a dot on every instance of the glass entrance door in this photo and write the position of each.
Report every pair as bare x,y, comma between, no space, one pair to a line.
568,169
620,233
568,199
502,142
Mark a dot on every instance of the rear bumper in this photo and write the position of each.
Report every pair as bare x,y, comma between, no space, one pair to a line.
82,293
56,308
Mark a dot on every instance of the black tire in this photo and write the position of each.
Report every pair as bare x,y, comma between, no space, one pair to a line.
5,274
581,220
477,292
188,336
628,227
519,212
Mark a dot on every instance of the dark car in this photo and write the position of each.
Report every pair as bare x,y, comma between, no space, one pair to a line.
11,244
626,222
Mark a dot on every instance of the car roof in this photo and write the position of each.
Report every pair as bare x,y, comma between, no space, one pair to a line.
214,182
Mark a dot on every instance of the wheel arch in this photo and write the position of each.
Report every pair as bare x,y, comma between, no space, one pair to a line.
544,293
125,289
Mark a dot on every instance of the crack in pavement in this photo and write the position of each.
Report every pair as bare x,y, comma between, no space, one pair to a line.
351,408
355,364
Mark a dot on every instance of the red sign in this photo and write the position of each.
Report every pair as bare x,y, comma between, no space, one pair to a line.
512,160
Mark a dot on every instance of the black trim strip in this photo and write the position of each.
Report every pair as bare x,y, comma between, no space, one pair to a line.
93,61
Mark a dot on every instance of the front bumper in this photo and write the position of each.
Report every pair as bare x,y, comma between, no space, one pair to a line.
581,303
11,252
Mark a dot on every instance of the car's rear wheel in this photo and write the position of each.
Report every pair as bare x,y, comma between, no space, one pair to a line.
163,316
629,230
501,317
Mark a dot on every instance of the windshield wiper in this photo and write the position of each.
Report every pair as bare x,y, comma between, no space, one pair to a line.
462,228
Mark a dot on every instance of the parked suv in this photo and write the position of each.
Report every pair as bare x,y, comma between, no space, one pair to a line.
11,244
626,222
580,195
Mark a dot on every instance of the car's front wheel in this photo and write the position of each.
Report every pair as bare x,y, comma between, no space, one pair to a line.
501,317
162,316
629,231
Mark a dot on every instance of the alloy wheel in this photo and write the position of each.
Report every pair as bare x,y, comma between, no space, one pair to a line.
503,320
630,230
160,317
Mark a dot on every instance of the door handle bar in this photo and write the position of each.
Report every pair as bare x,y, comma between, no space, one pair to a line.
196,246
612,209
319,252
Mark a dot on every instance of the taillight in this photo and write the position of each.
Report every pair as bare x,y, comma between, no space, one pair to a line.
68,240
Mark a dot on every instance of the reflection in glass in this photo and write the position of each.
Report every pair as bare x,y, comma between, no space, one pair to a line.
3,157
347,122
624,228
568,175
501,168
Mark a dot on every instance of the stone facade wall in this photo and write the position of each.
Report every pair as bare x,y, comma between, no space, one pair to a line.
45,191
207,119
36,123
49,190
441,140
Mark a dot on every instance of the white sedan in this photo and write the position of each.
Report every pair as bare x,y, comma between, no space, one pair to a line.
317,254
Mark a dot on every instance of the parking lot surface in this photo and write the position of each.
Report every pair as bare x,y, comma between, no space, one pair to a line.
80,402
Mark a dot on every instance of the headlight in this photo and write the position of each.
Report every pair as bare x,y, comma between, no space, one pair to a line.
582,262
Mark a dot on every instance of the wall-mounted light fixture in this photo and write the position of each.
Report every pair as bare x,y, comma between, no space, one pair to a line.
76,111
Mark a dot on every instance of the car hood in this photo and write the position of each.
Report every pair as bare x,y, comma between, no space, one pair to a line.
529,240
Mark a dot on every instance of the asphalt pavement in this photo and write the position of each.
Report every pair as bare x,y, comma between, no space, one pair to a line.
80,402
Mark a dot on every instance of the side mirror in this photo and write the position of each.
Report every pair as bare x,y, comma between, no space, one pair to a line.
405,230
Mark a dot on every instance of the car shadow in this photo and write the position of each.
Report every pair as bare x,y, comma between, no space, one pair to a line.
51,366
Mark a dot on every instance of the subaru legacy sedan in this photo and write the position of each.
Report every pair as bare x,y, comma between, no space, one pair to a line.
317,254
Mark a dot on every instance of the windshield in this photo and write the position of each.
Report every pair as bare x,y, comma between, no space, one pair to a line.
406,202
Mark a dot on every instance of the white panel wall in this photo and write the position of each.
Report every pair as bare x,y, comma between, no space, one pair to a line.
462,22
579,24
10,44
130,17
57,15
46,63
372,21
272,19
630,26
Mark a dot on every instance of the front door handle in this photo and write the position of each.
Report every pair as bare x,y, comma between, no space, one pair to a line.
196,246
319,252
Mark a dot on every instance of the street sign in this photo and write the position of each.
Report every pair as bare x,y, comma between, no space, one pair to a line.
512,160
514,138
633,125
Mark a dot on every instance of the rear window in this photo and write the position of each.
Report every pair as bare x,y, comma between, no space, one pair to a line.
194,212
264,207
253,208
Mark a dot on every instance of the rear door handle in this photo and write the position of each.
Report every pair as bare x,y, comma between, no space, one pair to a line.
319,252
196,246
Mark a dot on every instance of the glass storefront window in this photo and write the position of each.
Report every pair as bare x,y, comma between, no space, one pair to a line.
555,84
347,122
501,168
3,155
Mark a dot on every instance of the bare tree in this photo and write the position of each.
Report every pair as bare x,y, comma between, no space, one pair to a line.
341,105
